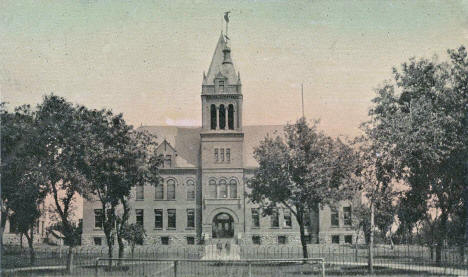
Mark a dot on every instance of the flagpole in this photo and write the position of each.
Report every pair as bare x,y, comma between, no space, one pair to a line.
302,96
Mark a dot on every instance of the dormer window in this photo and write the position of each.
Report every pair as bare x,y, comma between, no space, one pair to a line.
168,161
220,86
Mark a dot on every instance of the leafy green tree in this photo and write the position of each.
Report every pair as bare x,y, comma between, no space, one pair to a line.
418,118
23,184
302,172
63,136
119,159
134,234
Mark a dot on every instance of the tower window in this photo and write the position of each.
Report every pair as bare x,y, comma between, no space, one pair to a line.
221,86
213,117
231,117
233,188
223,189
222,154
222,117
212,188
216,155
228,155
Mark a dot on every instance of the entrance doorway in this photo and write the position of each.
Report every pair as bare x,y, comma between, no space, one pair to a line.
223,226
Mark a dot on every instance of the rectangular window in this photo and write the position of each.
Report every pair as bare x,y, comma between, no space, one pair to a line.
190,218
165,240
168,161
140,192
336,239
282,239
190,240
216,155
287,218
228,155
334,218
255,218
98,219
222,154
158,219
97,241
139,217
274,219
159,192
171,218
257,240
347,216
348,239
221,86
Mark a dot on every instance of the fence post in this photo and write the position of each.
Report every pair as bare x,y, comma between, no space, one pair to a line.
96,273
250,268
323,268
175,268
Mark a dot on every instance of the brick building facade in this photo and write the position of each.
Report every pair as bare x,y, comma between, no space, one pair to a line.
205,173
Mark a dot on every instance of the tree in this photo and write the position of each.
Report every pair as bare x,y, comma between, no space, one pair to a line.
133,234
418,117
119,159
375,181
23,183
303,172
63,136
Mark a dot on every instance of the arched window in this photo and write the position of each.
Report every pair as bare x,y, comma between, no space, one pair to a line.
190,190
233,188
223,189
159,191
170,189
213,116
231,117
212,188
222,117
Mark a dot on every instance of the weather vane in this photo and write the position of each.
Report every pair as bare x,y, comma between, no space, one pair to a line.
226,18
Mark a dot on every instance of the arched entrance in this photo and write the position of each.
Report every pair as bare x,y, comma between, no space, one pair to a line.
223,226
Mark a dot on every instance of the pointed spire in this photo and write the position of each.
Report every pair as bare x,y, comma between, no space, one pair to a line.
221,63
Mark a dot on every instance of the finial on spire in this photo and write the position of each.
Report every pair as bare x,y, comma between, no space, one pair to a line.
226,18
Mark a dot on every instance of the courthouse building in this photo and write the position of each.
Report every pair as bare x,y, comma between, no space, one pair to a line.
206,170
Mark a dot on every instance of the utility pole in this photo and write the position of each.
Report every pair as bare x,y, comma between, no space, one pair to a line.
465,157
302,96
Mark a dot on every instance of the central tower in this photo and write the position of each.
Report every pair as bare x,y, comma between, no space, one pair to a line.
222,142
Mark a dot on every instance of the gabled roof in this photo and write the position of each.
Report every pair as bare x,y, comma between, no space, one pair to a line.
186,141
217,67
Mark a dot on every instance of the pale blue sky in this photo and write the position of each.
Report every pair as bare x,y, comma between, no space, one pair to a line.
146,58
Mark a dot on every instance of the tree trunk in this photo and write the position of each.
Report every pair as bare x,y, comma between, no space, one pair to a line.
70,260
300,220
32,254
441,237
370,260
4,216
356,247
121,249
